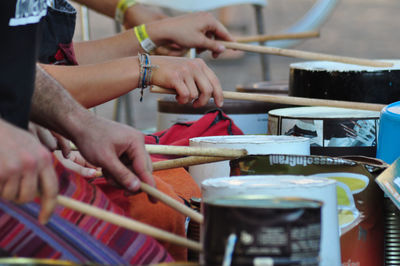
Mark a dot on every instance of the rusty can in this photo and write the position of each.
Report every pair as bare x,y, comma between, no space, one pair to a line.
261,230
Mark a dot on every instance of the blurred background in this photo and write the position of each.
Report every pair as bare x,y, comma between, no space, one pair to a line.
356,28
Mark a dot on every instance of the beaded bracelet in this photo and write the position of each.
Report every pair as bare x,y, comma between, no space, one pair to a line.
146,71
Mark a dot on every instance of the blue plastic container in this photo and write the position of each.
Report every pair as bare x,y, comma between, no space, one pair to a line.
389,133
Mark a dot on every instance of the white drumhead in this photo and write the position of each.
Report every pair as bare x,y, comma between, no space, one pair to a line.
329,66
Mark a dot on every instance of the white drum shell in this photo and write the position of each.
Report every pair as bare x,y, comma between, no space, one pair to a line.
308,187
332,131
254,144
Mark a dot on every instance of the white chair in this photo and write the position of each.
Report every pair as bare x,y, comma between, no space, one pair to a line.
312,20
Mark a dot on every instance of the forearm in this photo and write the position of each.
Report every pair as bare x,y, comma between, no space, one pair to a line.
122,45
54,108
92,85
134,15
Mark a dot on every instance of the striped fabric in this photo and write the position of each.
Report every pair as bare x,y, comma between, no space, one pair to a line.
73,236
22,236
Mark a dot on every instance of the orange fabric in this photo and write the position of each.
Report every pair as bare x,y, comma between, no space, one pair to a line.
182,182
174,182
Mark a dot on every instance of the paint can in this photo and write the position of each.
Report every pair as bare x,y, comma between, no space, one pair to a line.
339,81
310,187
332,131
360,200
260,230
388,137
254,144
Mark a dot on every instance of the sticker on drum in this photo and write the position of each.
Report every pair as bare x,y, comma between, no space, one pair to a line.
332,131
315,188
244,229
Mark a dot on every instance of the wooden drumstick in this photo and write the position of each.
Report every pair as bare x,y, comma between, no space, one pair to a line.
167,200
263,38
127,223
304,54
194,151
287,100
186,161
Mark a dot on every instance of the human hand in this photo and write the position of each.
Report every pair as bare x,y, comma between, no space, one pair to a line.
50,139
197,30
192,79
75,162
26,168
105,143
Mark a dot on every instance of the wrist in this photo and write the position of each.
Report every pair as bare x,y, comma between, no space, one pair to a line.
76,123
122,8
144,39
145,72
159,32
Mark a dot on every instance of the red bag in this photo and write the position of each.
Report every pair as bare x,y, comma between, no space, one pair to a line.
214,123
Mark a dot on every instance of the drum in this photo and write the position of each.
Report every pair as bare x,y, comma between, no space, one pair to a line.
360,201
339,81
388,137
261,230
254,144
332,131
308,187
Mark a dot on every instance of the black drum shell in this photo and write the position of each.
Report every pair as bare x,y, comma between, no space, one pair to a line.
379,86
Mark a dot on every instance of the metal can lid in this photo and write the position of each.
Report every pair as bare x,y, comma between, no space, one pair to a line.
262,201
34,261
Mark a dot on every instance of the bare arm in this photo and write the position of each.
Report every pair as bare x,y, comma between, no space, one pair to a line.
95,84
199,30
92,85
101,142
134,15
